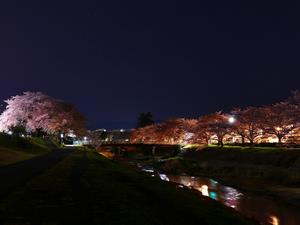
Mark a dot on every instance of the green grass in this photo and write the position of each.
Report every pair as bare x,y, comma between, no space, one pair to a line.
27,145
265,156
86,188
8,156
14,148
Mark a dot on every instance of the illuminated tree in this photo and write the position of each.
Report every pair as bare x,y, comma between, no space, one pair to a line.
41,112
145,135
202,132
213,124
249,123
239,127
172,131
280,120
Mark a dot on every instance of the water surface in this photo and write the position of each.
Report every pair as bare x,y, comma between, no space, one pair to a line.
266,210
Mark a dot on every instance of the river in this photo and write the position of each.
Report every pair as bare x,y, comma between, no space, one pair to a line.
266,210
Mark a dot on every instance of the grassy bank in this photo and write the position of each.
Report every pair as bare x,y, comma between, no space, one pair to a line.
86,188
14,148
262,169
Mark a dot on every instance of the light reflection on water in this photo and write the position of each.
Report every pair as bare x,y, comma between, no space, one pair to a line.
267,211
274,220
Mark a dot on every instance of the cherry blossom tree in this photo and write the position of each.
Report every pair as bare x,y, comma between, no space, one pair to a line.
41,112
253,123
146,135
172,131
281,119
202,131
249,122
217,124
239,126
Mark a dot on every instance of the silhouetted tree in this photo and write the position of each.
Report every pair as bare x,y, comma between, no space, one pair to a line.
145,119
18,129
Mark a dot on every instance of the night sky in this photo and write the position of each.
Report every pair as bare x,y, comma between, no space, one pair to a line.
116,59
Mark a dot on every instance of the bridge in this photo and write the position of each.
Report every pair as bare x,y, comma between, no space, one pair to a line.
145,149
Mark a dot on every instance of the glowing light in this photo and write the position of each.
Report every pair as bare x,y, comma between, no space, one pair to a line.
148,170
164,177
204,190
213,195
231,119
10,132
122,130
274,220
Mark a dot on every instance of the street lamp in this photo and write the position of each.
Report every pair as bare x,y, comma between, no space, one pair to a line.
231,120
61,138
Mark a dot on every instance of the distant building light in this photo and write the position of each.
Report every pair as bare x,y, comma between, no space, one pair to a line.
10,132
122,130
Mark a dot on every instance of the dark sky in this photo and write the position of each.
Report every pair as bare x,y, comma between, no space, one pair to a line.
116,59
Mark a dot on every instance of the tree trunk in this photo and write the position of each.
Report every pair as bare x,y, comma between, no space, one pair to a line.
279,140
220,142
243,140
207,141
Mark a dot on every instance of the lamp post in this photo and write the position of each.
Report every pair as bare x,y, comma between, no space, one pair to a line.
61,138
231,120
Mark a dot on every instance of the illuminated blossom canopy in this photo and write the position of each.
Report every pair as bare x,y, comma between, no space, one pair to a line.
172,131
37,111
279,122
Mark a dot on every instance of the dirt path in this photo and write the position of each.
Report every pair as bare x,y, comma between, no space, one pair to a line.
14,175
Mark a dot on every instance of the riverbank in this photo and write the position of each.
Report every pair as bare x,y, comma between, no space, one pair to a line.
86,188
268,171
15,149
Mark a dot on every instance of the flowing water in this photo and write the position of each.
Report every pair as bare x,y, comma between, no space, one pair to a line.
266,210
